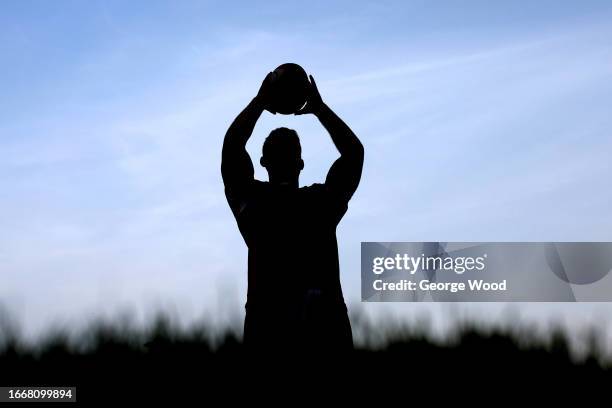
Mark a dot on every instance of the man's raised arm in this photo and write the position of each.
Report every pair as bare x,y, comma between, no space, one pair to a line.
344,175
236,165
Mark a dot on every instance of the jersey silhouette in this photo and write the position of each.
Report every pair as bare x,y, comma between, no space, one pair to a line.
294,295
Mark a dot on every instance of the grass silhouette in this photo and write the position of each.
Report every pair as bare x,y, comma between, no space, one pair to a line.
112,361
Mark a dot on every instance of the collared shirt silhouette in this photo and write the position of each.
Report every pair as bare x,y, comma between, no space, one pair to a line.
294,296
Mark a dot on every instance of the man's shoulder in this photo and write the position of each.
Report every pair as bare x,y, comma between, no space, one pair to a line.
313,188
324,199
316,190
260,184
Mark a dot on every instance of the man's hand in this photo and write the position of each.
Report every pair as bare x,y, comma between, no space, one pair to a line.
265,91
314,102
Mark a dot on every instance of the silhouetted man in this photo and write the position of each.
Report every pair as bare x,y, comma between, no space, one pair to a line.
294,296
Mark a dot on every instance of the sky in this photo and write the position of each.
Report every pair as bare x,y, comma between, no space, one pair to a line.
481,121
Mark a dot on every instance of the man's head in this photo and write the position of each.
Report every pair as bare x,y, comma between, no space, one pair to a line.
282,156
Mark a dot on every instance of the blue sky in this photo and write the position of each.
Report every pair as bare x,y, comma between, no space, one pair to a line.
481,122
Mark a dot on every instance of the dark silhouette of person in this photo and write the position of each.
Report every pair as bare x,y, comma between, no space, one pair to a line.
294,298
